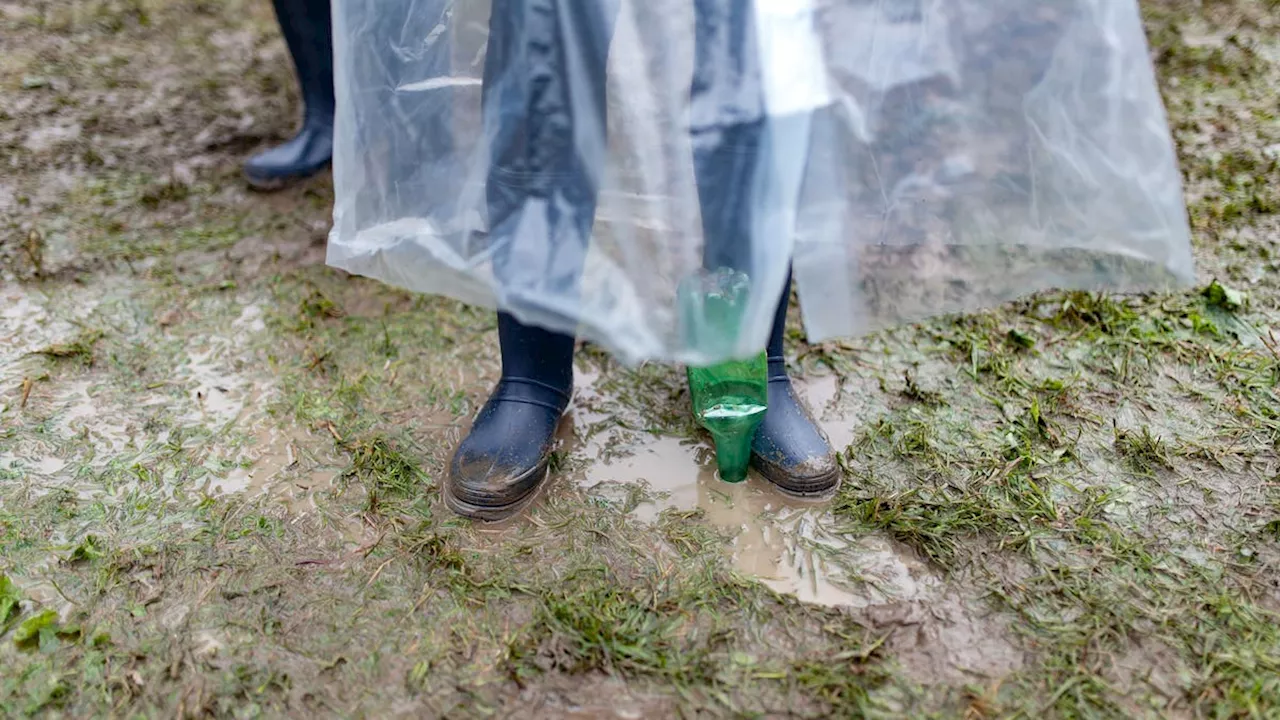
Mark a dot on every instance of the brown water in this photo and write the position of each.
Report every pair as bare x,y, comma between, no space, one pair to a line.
271,452
791,545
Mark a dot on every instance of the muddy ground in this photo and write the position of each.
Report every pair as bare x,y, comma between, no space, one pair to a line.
220,461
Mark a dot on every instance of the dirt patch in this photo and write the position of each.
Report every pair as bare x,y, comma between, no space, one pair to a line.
1150,666
585,699
945,637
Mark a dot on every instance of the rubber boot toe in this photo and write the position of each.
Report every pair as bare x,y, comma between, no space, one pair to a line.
499,466
306,154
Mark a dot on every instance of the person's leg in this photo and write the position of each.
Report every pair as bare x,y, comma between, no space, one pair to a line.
790,450
504,458
726,124
729,155
308,32
544,112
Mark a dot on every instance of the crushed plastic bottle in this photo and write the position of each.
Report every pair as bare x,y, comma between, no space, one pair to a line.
729,398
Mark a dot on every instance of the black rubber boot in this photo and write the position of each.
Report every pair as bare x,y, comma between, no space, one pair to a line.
308,32
502,461
790,450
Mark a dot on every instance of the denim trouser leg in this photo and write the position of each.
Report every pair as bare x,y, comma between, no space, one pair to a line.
725,163
727,125
544,110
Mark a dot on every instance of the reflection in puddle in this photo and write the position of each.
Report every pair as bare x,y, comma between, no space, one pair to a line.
785,542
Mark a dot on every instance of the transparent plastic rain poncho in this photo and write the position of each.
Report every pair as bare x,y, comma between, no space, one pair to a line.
583,163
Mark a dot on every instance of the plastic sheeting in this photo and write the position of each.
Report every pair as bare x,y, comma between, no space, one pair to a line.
583,163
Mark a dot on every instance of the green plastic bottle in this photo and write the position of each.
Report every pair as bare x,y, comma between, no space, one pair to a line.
730,398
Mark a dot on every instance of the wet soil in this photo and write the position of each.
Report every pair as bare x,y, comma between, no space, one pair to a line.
220,462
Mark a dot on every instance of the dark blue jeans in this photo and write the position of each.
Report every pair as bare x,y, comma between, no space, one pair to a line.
544,113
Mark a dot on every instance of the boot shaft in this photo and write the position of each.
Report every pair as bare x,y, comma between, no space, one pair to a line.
308,31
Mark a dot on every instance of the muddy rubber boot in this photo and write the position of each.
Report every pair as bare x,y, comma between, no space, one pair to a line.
499,465
790,450
308,32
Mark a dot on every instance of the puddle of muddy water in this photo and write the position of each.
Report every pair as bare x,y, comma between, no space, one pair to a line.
285,462
791,545
270,452
84,413
43,139
220,393
822,394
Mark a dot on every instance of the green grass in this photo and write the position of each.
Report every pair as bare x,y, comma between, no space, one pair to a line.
1092,476
80,350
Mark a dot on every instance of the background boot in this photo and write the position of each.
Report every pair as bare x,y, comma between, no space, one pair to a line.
790,450
308,32
502,461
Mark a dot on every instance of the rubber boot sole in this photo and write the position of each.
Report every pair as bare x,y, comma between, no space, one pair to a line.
267,185
497,513
276,184
821,487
